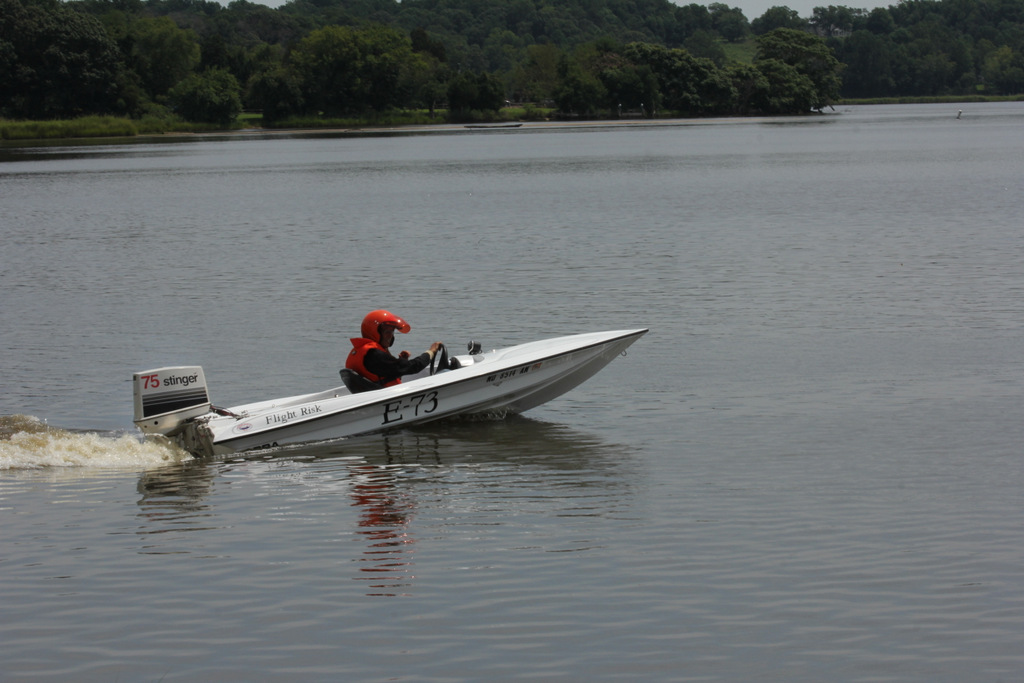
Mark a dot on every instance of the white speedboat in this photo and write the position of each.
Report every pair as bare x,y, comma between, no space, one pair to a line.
174,401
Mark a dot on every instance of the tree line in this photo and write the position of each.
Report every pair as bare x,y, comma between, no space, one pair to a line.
202,61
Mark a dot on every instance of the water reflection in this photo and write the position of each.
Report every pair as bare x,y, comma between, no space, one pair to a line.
386,512
515,439
181,488
174,500
477,471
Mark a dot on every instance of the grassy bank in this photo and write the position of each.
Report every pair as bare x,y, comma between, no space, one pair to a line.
401,118
90,126
100,127
112,126
420,117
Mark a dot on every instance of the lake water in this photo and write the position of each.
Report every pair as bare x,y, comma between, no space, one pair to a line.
811,469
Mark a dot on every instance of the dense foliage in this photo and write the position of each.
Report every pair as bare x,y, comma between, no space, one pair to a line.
56,62
928,47
361,58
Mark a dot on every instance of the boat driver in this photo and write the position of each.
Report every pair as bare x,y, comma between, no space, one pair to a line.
371,358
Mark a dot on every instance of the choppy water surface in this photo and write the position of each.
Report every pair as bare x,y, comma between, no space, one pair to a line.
810,469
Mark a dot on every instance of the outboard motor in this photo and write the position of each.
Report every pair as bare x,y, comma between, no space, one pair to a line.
167,397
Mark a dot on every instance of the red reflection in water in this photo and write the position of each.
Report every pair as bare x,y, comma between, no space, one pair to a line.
384,523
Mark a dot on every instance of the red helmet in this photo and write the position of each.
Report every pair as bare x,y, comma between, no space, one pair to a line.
374,319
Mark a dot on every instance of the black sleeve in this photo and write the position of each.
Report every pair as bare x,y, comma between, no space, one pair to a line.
387,367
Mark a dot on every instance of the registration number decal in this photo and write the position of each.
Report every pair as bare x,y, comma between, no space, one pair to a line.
420,404
515,372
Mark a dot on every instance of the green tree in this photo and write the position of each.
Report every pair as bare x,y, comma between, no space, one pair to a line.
277,92
729,22
629,86
469,92
880,22
809,57
686,84
788,92
55,62
211,97
869,65
386,55
424,83
162,54
536,79
503,50
834,20
703,44
424,43
346,70
1004,69
689,19
579,92
328,62
777,17
751,87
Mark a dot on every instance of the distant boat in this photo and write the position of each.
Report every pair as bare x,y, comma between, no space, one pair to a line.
493,125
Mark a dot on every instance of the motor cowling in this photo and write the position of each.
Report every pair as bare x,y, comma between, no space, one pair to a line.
167,397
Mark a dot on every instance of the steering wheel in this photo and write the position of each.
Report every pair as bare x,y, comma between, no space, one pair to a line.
440,360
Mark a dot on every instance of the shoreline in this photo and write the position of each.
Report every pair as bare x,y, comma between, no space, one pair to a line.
506,126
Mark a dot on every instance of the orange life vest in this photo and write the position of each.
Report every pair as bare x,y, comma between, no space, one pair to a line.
357,358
